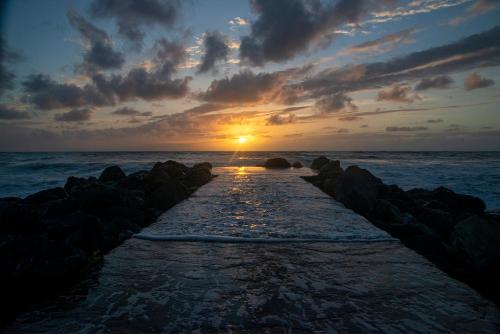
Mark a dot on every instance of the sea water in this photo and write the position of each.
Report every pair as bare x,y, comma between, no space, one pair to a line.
472,173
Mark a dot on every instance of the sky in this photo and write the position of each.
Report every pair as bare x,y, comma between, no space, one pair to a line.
249,75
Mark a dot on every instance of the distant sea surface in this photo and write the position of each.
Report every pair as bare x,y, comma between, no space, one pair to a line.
473,173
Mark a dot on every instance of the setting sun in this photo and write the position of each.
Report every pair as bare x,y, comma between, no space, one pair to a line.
242,139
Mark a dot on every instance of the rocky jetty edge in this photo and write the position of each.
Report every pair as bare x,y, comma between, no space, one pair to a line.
451,230
51,238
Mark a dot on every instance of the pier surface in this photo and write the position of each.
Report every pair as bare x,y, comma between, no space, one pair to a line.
263,250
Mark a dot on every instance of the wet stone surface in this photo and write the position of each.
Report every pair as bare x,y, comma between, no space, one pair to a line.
368,284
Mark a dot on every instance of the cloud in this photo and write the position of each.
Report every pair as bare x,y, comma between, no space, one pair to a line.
139,83
433,121
216,50
133,16
281,120
75,115
475,81
478,7
100,54
475,51
349,118
286,28
10,113
238,22
335,103
406,128
126,111
247,87
7,56
383,44
398,93
440,82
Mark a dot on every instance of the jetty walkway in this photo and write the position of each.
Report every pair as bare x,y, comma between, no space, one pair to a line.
265,251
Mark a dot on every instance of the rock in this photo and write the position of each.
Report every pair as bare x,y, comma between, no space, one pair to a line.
357,188
477,239
19,216
459,203
167,195
297,164
319,162
204,165
330,170
196,177
73,182
277,163
155,178
47,195
174,169
386,212
134,181
112,174
438,220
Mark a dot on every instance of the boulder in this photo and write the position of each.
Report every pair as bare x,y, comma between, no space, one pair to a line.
19,216
459,203
174,169
330,170
319,162
134,181
385,212
112,174
47,195
196,177
75,182
277,163
204,165
438,220
167,195
477,239
297,164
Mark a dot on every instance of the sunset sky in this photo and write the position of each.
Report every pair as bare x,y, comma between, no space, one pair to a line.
250,75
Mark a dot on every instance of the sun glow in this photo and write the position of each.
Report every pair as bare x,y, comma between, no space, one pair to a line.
242,139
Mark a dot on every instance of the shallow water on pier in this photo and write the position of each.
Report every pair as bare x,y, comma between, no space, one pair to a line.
266,251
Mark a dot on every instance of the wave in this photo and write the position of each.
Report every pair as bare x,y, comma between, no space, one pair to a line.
237,240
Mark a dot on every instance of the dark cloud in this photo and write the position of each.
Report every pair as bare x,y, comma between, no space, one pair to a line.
281,120
133,15
247,87
335,103
383,44
75,115
10,113
285,28
477,8
398,93
349,118
216,50
343,130
138,83
475,81
100,54
126,111
433,121
479,50
405,128
7,56
440,82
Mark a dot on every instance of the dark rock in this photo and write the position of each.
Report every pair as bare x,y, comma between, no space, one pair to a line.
330,170
47,195
19,216
357,188
134,181
156,178
73,182
477,239
319,162
112,174
277,163
387,213
204,165
196,177
167,195
438,220
459,203
174,169
297,164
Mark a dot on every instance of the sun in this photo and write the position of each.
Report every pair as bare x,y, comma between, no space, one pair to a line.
242,139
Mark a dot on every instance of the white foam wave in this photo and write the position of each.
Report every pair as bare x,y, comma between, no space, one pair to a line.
230,239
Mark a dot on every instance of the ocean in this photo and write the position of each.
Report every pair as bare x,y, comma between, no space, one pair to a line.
472,173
